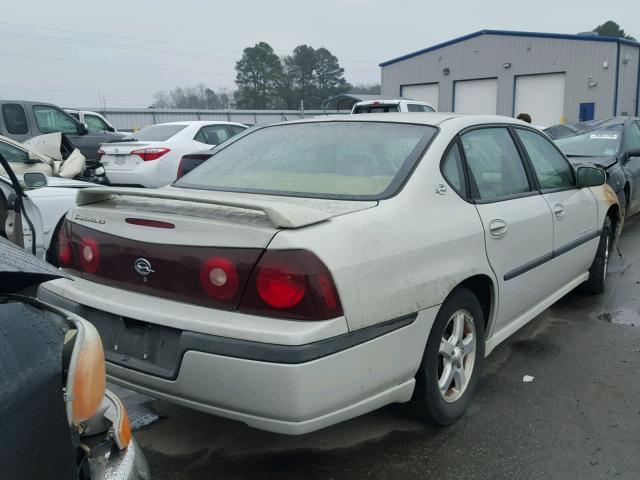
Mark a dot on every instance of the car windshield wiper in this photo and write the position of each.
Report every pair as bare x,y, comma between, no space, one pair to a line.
580,156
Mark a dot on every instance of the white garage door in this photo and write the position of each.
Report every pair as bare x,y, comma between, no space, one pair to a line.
542,97
476,96
427,92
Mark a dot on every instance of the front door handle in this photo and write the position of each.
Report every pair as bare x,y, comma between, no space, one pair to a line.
559,211
497,227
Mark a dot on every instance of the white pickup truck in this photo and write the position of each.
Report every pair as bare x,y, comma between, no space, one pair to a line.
392,106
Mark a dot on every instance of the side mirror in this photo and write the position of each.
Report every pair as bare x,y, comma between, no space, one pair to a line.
83,129
111,129
591,177
634,152
35,180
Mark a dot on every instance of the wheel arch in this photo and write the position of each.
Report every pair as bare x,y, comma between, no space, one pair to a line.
483,287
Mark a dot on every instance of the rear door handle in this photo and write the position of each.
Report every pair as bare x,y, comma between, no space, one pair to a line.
559,211
497,227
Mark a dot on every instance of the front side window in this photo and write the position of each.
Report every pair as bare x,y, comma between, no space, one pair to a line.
351,160
603,142
495,163
427,108
634,136
95,123
15,119
552,170
13,154
412,107
51,119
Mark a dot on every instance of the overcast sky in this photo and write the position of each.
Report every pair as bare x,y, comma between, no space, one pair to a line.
125,51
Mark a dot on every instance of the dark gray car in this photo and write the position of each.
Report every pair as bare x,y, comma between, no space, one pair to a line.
612,144
22,120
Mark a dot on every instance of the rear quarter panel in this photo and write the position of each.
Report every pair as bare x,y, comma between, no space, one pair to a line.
404,255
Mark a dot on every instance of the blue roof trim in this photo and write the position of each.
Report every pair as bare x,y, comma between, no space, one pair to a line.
510,33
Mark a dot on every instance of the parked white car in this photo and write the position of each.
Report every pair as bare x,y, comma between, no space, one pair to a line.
151,156
313,271
392,106
31,215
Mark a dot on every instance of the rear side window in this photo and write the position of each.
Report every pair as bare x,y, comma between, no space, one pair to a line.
51,119
236,129
412,107
15,119
212,134
156,133
552,170
452,169
495,163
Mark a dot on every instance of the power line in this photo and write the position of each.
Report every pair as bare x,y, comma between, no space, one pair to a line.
144,67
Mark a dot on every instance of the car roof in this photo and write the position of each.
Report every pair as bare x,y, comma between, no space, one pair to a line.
435,119
396,101
201,122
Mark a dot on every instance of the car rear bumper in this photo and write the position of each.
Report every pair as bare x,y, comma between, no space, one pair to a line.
291,389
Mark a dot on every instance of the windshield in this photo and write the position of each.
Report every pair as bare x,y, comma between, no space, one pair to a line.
354,160
596,143
156,133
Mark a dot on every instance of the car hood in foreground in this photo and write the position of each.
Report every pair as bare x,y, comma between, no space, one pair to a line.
19,269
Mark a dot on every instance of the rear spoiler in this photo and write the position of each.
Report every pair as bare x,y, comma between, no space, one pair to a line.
279,213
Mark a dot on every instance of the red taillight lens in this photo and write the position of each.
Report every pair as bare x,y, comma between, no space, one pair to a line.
219,278
280,288
148,154
291,284
89,254
65,254
180,169
100,154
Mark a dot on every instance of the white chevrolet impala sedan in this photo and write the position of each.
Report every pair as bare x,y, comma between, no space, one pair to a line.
313,271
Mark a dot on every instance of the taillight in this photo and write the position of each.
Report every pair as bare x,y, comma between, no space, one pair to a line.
219,278
180,169
148,154
89,254
100,154
291,284
65,253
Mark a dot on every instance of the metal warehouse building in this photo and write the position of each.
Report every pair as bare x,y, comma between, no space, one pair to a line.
554,77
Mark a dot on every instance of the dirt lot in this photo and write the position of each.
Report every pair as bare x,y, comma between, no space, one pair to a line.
579,418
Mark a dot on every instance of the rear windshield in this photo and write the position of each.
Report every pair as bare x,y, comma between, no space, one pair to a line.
156,133
596,143
376,109
350,160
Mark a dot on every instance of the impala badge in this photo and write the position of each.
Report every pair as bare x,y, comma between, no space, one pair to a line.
143,267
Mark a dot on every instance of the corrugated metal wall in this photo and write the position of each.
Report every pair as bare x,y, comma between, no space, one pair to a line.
131,119
588,78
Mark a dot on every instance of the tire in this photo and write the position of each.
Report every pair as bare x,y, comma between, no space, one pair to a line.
599,267
430,402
